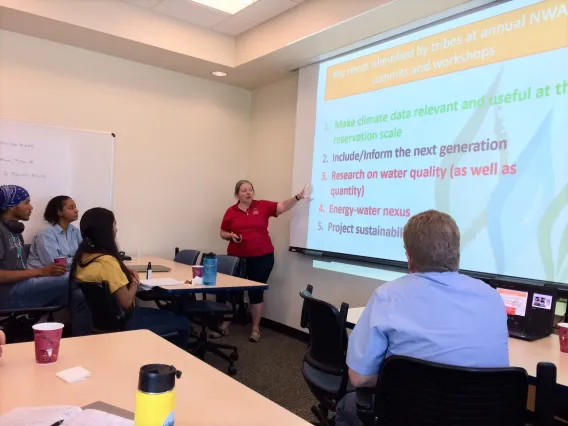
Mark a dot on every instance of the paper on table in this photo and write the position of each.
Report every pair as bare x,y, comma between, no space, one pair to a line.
73,375
159,282
97,418
39,416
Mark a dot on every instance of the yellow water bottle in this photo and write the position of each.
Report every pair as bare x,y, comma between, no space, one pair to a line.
156,395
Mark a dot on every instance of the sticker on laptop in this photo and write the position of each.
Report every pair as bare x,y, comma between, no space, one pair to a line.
542,301
515,301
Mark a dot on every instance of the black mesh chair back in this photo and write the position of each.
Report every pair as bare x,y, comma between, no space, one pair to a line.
413,392
324,368
107,314
187,257
548,402
328,337
228,265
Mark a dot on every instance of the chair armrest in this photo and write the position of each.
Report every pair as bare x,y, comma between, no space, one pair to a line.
365,398
42,310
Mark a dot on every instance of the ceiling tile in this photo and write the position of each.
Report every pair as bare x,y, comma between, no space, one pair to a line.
263,10
235,25
147,4
191,12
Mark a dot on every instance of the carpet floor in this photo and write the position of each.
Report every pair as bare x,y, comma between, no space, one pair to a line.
271,367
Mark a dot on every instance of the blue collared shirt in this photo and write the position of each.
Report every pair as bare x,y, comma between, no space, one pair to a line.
443,317
54,242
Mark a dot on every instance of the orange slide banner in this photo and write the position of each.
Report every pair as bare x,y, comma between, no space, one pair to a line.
523,32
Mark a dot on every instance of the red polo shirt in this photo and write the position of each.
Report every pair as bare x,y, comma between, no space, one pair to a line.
252,226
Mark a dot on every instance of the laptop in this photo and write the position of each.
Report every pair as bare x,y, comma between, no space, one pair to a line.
155,268
530,308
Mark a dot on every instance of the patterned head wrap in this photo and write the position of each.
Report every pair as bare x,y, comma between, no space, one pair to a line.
11,196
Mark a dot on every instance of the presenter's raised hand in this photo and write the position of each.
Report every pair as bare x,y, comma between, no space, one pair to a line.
305,192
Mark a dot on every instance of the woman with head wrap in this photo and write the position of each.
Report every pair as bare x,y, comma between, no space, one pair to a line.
29,288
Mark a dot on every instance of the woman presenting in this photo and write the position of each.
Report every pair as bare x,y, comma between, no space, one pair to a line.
245,226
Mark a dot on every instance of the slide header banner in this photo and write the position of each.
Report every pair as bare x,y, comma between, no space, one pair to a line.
523,32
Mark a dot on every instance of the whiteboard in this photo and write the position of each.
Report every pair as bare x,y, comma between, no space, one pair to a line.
50,161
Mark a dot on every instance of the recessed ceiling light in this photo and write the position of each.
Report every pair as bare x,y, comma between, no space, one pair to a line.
228,6
219,74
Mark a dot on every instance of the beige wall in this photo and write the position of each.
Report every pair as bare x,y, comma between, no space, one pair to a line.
273,125
181,142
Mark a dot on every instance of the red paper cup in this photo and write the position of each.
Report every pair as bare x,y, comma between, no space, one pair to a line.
60,261
47,336
563,336
197,271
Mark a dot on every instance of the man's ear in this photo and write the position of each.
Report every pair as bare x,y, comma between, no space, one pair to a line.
409,259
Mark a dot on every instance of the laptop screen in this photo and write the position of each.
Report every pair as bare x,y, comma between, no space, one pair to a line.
528,306
517,301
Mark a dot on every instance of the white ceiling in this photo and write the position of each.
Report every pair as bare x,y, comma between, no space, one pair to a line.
198,14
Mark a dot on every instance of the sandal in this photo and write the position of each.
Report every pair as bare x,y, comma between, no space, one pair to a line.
254,337
220,332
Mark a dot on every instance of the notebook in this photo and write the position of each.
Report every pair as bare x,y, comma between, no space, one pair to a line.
71,416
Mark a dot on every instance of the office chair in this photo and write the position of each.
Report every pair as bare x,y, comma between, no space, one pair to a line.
187,257
411,391
324,368
17,323
234,266
106,313
548,402
209,314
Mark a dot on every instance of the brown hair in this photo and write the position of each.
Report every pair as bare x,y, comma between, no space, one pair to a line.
241,183
432,241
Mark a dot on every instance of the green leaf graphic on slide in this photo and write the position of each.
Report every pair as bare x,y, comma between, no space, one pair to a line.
443,187
550,216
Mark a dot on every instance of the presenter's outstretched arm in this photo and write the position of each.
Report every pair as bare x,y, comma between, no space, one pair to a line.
284,206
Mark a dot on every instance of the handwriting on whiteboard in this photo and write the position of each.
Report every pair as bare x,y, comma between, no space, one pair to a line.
17,161
21,145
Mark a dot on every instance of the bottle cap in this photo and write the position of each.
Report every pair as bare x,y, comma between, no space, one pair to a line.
157,378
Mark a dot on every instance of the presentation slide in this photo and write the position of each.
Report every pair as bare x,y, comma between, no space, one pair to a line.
469,117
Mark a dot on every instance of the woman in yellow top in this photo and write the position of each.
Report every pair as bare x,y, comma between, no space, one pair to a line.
97,260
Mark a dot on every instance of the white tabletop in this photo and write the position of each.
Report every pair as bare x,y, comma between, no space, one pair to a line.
353,315
182,272
521,353
205,396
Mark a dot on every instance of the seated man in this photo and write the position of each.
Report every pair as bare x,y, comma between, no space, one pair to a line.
434,313
31,288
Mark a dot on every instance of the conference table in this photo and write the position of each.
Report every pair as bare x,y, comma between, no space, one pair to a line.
205,396
521,353
182,272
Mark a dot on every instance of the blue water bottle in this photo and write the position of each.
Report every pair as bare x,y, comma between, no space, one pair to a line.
209,269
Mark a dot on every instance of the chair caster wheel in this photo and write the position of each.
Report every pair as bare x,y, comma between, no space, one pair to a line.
231,371
234,356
